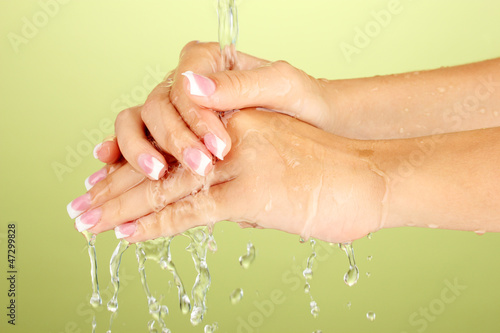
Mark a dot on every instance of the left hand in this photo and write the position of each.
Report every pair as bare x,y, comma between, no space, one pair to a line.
281,174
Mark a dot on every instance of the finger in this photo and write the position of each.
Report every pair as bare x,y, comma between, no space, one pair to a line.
147,197
119,178
203,208
101,174
96,184
277,86
171,132
114,184
136,147
107,151
202,58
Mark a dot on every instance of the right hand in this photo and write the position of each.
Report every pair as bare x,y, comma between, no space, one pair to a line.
184,125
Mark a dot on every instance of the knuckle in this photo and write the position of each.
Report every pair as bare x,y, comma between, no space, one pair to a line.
188,47
123,116
150,107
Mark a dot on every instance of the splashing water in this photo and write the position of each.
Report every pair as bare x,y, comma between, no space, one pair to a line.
95,299
198,248
308,274
247,259
352,275
211,328
154,249
114,267
166,263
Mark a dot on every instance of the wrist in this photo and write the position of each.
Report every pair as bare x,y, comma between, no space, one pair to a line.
355,192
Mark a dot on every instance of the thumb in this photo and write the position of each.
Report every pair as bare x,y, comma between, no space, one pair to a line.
278,86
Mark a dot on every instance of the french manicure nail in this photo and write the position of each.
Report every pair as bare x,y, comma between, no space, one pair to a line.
79,205
96,150
151,166
95,178
199,85
125,230
215,145
197,160
88,219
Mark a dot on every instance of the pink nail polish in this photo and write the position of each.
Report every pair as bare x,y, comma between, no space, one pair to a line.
79,205
199,85
215,145
95,178
88,219
125,230
96,150
197,160
151,166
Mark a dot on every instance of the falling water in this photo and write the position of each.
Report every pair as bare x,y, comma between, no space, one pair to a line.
308,274
114,267
352,275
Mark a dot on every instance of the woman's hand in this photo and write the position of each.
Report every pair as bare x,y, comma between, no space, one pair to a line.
179,117
281,174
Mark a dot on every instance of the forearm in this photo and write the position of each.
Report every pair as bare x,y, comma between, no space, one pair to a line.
451,181
417,104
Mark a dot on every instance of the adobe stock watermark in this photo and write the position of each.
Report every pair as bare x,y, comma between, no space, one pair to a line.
426,315
75,154
292,279
30,26
453,121
364,34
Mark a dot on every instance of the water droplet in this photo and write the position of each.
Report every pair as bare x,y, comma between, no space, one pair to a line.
314,309
302,240
368,274
352,275
164,311
307,273
318,331
433,226
307,288
369,258
370,235
248,258
196,315
349,305
480,232
211,328
236,296
185,304
370,316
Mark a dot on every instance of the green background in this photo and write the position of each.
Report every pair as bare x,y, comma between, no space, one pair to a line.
62,86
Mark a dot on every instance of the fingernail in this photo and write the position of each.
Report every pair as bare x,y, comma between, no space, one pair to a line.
96,150
199,85
151,166
125,230
79,205
95,178
197,160
215,145
88,219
